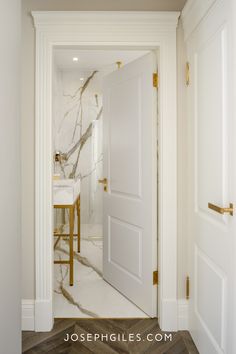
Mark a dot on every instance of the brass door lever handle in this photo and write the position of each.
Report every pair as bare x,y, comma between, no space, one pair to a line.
221,210
103,181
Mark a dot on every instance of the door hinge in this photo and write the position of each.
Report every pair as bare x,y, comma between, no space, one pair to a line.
155,277
187,287
187,74
155,80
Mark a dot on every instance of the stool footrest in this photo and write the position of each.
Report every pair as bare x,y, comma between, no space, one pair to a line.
62,262
66,235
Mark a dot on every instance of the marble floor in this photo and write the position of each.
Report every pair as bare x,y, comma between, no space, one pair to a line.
91,296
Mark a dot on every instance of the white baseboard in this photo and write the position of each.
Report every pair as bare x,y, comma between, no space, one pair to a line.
174,315
43,316
168,312
27,315
36,315
183,309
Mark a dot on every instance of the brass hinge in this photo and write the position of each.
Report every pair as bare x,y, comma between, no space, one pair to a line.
155,80
187,74
155,277
187,287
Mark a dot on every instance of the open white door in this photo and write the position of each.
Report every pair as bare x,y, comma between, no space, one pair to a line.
130,166
212,162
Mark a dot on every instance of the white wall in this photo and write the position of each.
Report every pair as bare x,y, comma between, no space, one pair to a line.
28,69
10,336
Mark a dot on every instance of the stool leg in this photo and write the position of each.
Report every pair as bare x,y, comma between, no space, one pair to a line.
72,212
78,224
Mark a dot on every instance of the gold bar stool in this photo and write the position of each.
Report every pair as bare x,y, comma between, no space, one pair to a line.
71,208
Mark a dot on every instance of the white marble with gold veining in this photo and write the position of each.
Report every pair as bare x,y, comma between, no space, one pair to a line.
91,295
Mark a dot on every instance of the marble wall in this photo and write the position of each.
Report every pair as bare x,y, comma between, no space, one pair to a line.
77,134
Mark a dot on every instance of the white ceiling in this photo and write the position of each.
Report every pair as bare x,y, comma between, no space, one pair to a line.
102,5
102,60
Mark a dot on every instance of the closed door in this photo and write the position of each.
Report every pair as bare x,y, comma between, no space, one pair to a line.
212,178
130,166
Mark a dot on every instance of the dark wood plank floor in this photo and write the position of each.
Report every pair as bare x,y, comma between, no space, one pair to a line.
53,342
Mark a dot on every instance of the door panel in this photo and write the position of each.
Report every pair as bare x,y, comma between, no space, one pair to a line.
211,180
130,166
125,122
126,240
210,310
211,121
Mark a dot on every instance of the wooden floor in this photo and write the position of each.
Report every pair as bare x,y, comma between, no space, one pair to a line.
53,342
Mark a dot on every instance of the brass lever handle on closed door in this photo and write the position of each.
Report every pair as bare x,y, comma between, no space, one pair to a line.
221,210
104,182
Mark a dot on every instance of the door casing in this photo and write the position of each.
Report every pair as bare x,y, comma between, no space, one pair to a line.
126,30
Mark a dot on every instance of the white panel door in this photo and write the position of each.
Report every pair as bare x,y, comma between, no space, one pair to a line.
212,180
130,166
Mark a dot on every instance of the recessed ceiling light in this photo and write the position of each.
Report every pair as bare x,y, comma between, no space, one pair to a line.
81,79
75,59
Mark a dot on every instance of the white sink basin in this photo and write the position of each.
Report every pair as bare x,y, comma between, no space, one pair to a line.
65,191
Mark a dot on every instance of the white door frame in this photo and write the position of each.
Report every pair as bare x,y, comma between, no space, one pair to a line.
146,30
